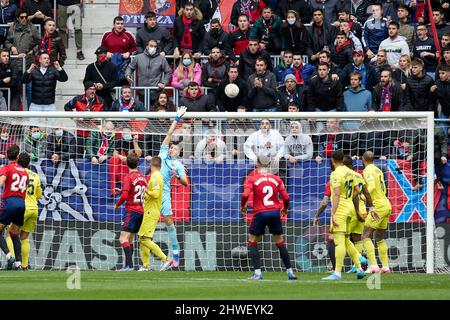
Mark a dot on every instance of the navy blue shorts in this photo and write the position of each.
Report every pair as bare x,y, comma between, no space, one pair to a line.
132,222
12,210
270,219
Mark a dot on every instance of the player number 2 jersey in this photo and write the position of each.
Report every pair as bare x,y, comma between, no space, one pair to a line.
133,192
266,188
16,180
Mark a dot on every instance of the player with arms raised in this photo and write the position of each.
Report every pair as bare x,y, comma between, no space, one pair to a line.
152,212
377,221
12,208
266,187
133,191
170,168
344,206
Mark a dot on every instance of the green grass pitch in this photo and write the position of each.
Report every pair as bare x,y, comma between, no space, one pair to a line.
216,285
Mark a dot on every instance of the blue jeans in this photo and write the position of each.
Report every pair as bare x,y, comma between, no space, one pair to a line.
443,124
42,107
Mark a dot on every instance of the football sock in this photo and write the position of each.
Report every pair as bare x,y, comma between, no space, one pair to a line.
352,252
284,254
3,245
172,231
254,255
331,253
145,252
10,245
25,252
127,251
339,242
383,253
17,246
359,246
370,251
132,249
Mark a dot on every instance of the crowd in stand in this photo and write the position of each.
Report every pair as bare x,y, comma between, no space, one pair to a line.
335,55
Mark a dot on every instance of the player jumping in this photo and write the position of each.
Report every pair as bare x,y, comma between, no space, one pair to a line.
266,187
376,222
170,168
133,191
12,208
344,204
152,212
34,192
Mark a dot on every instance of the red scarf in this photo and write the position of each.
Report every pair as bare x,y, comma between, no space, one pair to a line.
298,74
46,44
340,48
186,41
104,146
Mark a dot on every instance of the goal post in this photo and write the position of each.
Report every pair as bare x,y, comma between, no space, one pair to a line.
77,223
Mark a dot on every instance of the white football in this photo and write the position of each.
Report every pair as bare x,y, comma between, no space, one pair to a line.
231,90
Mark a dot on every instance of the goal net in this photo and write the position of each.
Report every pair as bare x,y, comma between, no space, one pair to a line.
80,158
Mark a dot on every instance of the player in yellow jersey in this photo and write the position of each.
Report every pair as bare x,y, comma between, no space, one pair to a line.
152,209
344,205
376,222
34,192
357,225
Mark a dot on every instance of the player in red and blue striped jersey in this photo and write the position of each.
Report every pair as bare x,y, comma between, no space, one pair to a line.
266,187
133,191
12,208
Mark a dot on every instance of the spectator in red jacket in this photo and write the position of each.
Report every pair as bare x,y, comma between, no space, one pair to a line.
239,36
89,101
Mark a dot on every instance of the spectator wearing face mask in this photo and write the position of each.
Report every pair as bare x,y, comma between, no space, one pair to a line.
60,146
153,70
5,141
296,37
33,142
187,71
104,76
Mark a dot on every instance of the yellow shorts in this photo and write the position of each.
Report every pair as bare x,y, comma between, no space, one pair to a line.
356,226
343,222
29,220
382,223
148,226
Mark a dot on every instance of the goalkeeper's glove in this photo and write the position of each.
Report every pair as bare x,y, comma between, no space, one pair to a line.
180,113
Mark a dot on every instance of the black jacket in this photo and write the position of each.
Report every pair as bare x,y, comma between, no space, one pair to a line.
299,96
418,95
44,85
65,148
109,72
225,103
221,40
198,31
443,96
247,61
325,94
343,57
397,104
9,70
161,35
326,36
297,39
